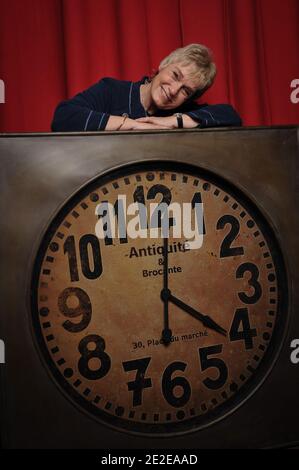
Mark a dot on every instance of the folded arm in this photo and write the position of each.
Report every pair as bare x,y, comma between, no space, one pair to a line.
206,116
91,111
215,115
81,113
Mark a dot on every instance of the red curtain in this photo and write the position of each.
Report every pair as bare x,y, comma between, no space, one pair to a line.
51,49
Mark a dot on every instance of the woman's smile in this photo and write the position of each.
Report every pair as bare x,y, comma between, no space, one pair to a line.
165,94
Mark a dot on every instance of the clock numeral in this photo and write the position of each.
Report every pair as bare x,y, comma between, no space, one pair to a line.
253,282
226,248
138,196
120,220
197,200
169,384
166,199
70,249
93,242
140,381
246,333
119,214
84,308
92,268
97,352
206,362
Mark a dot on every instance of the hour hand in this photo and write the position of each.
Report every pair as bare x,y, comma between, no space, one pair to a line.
205,319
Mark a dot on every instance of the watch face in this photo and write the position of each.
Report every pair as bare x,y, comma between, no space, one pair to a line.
98,313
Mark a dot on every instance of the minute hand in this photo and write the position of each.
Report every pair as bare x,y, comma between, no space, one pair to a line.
205,319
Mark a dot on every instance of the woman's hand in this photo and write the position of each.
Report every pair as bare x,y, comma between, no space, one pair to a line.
121,123
138,124
169,122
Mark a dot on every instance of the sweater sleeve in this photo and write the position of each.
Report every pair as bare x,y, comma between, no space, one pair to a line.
214,115
87,111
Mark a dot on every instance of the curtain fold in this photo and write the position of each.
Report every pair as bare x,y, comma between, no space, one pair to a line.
52,49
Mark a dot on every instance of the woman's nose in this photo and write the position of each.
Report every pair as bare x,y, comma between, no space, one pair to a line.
175,87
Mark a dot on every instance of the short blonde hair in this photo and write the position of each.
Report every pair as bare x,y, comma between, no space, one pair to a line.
199,55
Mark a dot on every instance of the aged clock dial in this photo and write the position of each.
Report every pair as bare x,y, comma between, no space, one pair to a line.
139,360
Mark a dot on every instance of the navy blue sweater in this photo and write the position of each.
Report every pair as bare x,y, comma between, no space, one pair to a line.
90,110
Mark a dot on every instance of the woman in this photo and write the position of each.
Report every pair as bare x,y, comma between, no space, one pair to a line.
164,101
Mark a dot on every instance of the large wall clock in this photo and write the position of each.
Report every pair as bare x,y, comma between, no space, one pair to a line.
91,360
98,311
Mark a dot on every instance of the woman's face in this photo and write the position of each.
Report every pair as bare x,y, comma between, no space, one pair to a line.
172,86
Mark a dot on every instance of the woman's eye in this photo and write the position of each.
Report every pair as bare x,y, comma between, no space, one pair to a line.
175,75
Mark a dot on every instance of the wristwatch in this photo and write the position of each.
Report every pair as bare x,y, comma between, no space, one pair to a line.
180,120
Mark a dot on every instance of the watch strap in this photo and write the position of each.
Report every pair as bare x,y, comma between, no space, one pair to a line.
179,120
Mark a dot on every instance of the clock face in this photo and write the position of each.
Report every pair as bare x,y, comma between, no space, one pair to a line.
98,313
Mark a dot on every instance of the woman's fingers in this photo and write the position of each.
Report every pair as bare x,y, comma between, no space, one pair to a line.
143,119
160,122
148,125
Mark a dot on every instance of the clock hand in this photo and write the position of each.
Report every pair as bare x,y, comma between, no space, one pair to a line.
205,319
166,333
